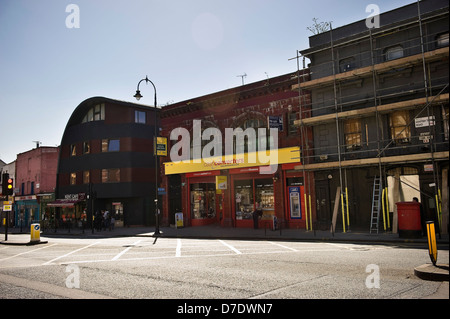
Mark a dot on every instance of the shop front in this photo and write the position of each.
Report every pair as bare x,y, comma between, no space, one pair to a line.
69,212
26,210
241,195
254,198
204,199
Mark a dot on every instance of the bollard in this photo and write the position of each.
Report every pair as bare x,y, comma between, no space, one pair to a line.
35,233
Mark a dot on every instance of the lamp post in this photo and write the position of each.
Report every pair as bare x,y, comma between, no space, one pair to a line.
138,96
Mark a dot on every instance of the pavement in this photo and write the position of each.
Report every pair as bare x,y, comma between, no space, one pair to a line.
439,272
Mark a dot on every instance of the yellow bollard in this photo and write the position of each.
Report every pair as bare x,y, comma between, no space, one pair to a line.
306,212
35,233
432,248
346,200
310,212
343,212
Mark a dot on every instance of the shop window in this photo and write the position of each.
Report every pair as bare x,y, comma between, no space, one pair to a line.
252,194
110,145
265,199
243,190
111,175
203,200
352,133
73,178
394,52
399,125
442,40
139,117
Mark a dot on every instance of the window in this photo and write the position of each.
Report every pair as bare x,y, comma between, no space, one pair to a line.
347,64
243,190
254,194
86,177
86,148
399,124
110,145
352,133
292,117
139,117
73,150
111,175
73,178
394,52
96,113
251,143
442,40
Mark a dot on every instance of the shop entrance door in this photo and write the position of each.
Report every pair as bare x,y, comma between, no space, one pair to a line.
323,202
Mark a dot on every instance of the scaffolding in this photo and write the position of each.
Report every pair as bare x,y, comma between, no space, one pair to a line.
389,61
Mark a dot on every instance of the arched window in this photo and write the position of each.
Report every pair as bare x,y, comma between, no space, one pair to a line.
393,53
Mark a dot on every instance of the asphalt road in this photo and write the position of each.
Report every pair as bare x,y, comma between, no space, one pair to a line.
171,268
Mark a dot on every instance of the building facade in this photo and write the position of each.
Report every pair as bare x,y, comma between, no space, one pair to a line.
35,182
207,187
379,107
107,162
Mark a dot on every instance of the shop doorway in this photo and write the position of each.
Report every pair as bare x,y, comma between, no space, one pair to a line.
203,203
174,186
323,202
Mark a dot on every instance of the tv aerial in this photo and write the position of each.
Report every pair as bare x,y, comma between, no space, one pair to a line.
242,77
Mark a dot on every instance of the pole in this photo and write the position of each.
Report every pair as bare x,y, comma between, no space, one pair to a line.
138,96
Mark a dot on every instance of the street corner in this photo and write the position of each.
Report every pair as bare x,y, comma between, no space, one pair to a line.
438,272
22,239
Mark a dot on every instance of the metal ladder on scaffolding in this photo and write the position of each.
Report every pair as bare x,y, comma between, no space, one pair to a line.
376,204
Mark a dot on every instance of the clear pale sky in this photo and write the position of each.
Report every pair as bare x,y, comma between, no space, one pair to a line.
187,48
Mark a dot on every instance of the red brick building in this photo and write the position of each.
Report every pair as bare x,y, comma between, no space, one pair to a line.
191,189
35,183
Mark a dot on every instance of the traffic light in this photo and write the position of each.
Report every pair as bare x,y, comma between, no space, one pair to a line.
9,187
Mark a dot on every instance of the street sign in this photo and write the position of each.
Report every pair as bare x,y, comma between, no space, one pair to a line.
161,146
7,208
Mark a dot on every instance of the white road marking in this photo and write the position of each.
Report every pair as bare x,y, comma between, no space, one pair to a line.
279,245
178,250
125,250
27,252
229,246
68,254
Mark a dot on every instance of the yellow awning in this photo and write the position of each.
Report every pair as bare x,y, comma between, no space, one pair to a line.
261,158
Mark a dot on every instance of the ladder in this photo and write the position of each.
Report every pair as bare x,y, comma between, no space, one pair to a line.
376,204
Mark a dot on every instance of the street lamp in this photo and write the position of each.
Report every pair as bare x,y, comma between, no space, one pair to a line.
138,96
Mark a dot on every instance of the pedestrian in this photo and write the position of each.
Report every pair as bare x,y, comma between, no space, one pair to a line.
256,215
98,221
112,222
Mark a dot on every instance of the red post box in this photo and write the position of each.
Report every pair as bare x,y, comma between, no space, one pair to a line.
409,225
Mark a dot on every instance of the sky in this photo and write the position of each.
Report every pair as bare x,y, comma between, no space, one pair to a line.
54,54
